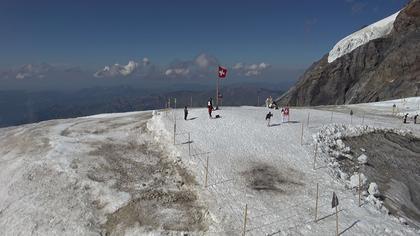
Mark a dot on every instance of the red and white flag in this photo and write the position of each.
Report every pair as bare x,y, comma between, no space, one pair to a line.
222,72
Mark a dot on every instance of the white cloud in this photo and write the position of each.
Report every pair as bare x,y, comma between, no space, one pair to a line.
250,69
238,66
30,71
123,70
129,68
177,72
20,76
199,67
204,61
146,61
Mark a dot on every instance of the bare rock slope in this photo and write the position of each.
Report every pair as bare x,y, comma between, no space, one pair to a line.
381,69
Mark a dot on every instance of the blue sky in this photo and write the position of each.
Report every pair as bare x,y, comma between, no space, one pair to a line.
289,34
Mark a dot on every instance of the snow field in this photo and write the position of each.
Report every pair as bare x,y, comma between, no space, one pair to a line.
240,143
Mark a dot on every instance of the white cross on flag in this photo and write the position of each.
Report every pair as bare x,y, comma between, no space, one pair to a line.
222,72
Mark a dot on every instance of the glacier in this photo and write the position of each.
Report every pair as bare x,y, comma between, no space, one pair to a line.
376,30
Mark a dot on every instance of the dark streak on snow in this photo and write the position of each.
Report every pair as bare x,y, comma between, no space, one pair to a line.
265,177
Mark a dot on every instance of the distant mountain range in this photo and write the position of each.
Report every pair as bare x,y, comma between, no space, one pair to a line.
378,62
21,107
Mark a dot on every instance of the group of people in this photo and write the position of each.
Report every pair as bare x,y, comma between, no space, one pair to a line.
284,115
406,117
210,109
284,111
270,103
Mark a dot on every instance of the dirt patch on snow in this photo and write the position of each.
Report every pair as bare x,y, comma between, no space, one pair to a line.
159,209
265,177
162,191
394,164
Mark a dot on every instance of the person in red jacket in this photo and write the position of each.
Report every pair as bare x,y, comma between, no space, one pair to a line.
210,107
286,113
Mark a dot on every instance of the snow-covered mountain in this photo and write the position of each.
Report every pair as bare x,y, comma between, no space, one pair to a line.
123,174
379,62
376,30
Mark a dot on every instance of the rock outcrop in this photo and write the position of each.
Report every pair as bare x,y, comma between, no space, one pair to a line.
383,68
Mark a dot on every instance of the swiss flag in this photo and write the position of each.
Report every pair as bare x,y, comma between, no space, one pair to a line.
222,72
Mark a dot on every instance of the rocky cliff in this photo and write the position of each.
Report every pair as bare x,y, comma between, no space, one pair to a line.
383,68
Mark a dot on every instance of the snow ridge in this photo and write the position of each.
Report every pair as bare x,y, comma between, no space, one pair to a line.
361,37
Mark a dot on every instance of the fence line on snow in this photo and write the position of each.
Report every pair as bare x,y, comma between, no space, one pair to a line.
215,178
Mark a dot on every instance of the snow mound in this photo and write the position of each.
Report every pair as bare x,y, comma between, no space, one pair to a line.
373,189
354,180
362,159
363,36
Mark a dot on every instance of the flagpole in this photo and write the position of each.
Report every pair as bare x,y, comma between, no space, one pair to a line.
217,93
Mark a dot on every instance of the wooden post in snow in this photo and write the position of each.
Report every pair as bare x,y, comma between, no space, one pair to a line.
336,220
363,118
207,171
309,114
245,218
301,136
334,203
189,144
316,203
174,132
316,152
359,189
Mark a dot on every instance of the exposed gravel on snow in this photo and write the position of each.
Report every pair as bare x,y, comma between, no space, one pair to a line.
98,175
394,158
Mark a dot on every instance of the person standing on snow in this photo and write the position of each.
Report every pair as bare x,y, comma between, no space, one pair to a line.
185,112
210,107
282,115
415,118
405,118
268,118
286,113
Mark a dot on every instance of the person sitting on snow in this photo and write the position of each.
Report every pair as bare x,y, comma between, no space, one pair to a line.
268,117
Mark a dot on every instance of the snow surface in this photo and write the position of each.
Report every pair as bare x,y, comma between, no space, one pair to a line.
241,140
363,36
238,145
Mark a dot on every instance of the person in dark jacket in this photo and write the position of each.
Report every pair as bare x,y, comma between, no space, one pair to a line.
415,118
268,117
185,112
405,118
